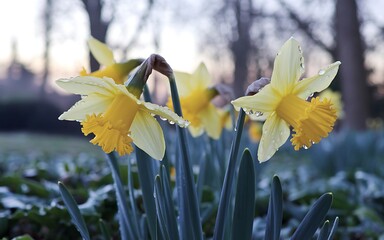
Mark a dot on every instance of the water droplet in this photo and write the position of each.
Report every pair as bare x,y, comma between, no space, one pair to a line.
250,112
171,122
321,72
235,129
258,114
163,118
305,146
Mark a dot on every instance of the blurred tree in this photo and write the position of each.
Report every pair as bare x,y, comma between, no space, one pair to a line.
240,46
350,51
47,45
98,25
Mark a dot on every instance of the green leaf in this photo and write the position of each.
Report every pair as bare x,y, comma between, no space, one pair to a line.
313,218
104,230
275,211
245,199
324,231
333,229
121,198
74,211
146,178
168,203
225,198
189,211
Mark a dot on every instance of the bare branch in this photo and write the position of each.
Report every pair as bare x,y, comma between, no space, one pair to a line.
305,27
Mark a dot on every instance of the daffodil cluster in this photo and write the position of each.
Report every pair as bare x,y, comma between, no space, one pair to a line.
283,103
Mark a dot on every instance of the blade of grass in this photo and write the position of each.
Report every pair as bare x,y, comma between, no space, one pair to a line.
324,231
74,211
160,208
121,197
135,212
333,229
146,177
104,230
313,218
225,198
168,202
245,199
275,211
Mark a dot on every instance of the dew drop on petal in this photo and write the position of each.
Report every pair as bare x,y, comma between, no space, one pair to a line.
171,122
321,72
305,146
163,118
258,114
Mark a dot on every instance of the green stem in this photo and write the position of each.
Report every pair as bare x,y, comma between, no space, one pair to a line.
190,224
225,200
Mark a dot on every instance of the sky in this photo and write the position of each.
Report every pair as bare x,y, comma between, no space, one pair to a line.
24,26
21,22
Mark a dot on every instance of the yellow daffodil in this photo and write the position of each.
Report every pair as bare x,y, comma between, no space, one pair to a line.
283,103
116,117
254,131
195,99
117,71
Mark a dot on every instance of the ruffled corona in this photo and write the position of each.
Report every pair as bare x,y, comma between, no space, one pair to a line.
311,121
111,129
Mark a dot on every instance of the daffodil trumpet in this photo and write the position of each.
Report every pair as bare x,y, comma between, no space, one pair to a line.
283,103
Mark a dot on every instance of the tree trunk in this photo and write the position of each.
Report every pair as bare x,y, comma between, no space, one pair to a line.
350,52
98,27
241,46
47,45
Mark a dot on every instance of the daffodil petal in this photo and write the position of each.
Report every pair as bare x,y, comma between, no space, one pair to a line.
288,66
264,101
275,133
201,77
318,83
165,113
184,83
86,85
101,52
92,104
211,121
148,135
